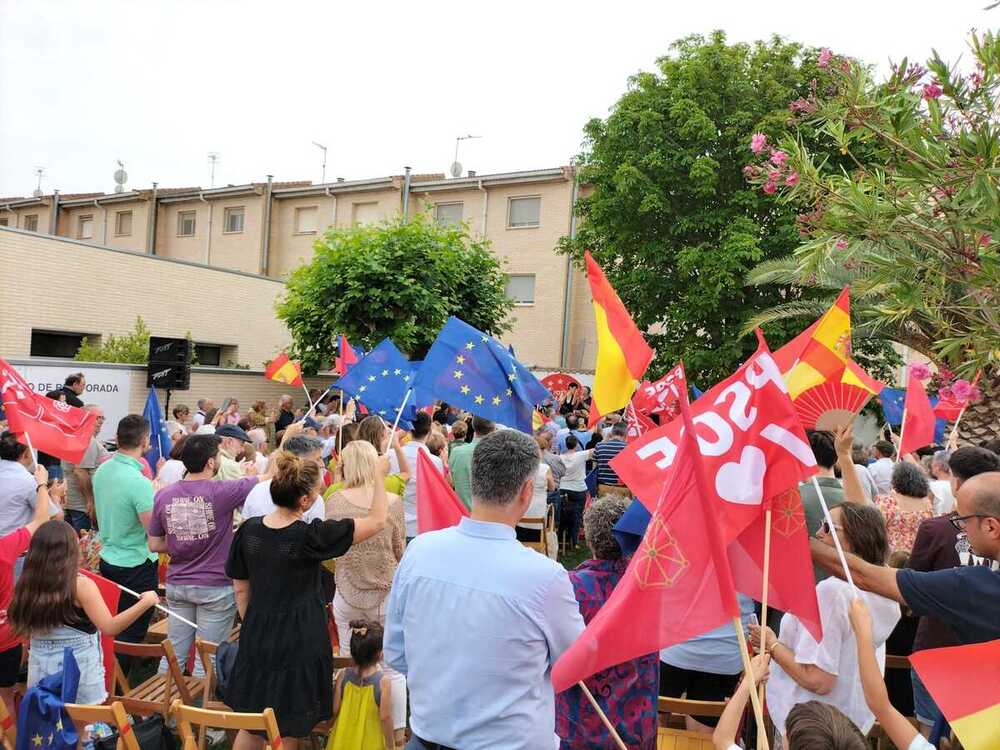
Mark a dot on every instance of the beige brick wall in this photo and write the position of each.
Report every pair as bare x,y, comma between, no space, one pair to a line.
170,245
471,200
61,285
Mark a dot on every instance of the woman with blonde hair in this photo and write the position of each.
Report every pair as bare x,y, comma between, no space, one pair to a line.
364,574
374,431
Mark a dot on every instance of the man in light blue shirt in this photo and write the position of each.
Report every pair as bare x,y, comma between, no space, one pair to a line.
475,620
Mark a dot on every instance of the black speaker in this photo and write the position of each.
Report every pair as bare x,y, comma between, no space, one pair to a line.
169,364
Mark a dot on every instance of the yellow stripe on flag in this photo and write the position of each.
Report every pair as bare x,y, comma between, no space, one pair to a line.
288,373
851,379
613,385
803,377
979,731
834,331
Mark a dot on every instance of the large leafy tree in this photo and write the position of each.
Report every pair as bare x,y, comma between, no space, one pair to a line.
400,279
668,213
911,226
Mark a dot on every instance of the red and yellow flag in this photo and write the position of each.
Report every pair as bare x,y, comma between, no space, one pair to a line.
283,370
622,353
965,683
827,351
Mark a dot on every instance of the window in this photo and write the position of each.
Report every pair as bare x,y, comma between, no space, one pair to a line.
3,222
521,288
447,214
523,212
123,224
233,220
186,223
305,219
31,223
57,343
85,227
364,213
209,355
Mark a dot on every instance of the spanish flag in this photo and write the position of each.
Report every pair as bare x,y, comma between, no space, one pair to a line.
965,683
622,353
827,351
283,370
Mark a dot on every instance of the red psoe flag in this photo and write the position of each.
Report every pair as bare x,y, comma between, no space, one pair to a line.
438,507
918,418
54,427
677,585
663,396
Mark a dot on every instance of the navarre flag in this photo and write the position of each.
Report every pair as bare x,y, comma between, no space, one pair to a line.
918,418
283,370
622,353
663,396
826,352
380,380
676,586
110,593
965,683
159,439
468,369
54,427
345,356
438,507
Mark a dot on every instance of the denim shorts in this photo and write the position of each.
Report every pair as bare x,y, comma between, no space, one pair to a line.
45,657
924,707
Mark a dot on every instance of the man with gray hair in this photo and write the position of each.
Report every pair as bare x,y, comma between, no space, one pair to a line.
944,498
475,620
259,503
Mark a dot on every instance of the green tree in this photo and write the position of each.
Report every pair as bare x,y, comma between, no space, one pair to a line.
400,279
669,215
131,347
911,226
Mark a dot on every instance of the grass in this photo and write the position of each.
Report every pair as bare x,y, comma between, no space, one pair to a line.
575,557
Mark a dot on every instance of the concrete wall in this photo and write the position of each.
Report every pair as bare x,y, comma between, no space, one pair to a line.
290,249
16,216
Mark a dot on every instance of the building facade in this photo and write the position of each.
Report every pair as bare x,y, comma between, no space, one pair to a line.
265,230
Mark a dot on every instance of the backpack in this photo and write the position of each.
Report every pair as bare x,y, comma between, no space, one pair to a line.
225,665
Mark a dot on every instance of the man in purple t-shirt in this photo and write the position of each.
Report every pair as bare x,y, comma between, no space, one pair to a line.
192,521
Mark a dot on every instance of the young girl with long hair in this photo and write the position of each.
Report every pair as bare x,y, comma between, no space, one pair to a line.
57,606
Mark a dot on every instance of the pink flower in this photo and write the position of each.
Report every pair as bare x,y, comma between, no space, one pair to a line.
824,57
975,394
946,393
920,371
962,390
749,171
757,142
984,240
778,158
770,188
793,179
945,374
976,79
932,90
841,244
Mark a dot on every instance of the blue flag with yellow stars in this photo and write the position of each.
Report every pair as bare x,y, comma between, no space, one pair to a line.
380,380
468,369
43,723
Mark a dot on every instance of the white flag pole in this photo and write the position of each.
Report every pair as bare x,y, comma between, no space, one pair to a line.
836,537
158,606
31,448
399,414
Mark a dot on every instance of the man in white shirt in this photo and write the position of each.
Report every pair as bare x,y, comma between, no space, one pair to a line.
204,405
475,620
944,497
418,434
881,470
259,503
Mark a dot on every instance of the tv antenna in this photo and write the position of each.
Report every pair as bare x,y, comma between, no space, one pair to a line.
38,188
121,177
213,158
456,167
321,147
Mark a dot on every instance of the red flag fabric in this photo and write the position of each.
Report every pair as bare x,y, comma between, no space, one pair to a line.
638,422
952,408
792,587
110,593
918,418
663,396
345,356
54,427
752,443
438,507
676,586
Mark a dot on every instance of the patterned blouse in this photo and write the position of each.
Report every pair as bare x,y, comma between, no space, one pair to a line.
627,692
901,525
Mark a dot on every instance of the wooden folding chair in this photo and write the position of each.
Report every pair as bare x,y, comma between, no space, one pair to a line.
157,694
677,708
185,716
9,726
113,715
668,738
541,521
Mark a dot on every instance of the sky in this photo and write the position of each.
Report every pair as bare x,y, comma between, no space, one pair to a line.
159,84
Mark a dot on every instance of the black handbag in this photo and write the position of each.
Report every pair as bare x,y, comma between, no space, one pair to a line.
225,665
151,733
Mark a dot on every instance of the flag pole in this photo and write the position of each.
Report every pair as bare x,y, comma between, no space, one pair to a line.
321,397
31,448
836,537
308,400
340,430
398,415
763,601
604,717
758,708
158,606
902,427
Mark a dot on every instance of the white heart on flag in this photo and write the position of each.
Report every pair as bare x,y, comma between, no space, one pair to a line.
743,482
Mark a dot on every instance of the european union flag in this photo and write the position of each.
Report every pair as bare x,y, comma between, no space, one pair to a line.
380,380
159,438
42,722
470,370
894,399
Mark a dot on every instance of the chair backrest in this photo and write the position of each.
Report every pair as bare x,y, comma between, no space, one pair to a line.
689,707
206,650
681,739
113,715
188,715
897,662
173,677
539,523
9,726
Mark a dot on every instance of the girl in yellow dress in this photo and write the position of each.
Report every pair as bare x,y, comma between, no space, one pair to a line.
362,695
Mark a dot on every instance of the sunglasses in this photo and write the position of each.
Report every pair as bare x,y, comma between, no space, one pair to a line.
959,522
825,527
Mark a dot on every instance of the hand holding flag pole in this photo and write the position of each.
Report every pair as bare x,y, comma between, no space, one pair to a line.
160,607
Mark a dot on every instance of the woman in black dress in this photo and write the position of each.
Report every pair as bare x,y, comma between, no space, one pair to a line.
285,657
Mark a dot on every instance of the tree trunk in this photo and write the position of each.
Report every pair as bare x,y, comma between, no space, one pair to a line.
981,421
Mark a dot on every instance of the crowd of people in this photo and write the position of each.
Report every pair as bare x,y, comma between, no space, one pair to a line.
301,525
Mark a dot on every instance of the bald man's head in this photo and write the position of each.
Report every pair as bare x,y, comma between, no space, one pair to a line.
983,493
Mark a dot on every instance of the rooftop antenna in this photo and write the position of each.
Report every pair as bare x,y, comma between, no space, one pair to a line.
213,159
322,148
121,177
38,188
456,167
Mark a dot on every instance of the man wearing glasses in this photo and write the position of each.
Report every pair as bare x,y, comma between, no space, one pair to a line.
79,491
965,598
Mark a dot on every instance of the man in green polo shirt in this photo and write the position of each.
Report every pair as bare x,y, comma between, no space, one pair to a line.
460,460
123,501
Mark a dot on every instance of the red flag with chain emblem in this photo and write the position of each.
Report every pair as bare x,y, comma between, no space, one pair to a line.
677,585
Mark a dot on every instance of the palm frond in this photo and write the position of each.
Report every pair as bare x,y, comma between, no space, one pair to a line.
812,308
775,271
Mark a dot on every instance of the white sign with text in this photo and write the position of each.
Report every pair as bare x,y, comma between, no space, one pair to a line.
107,388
